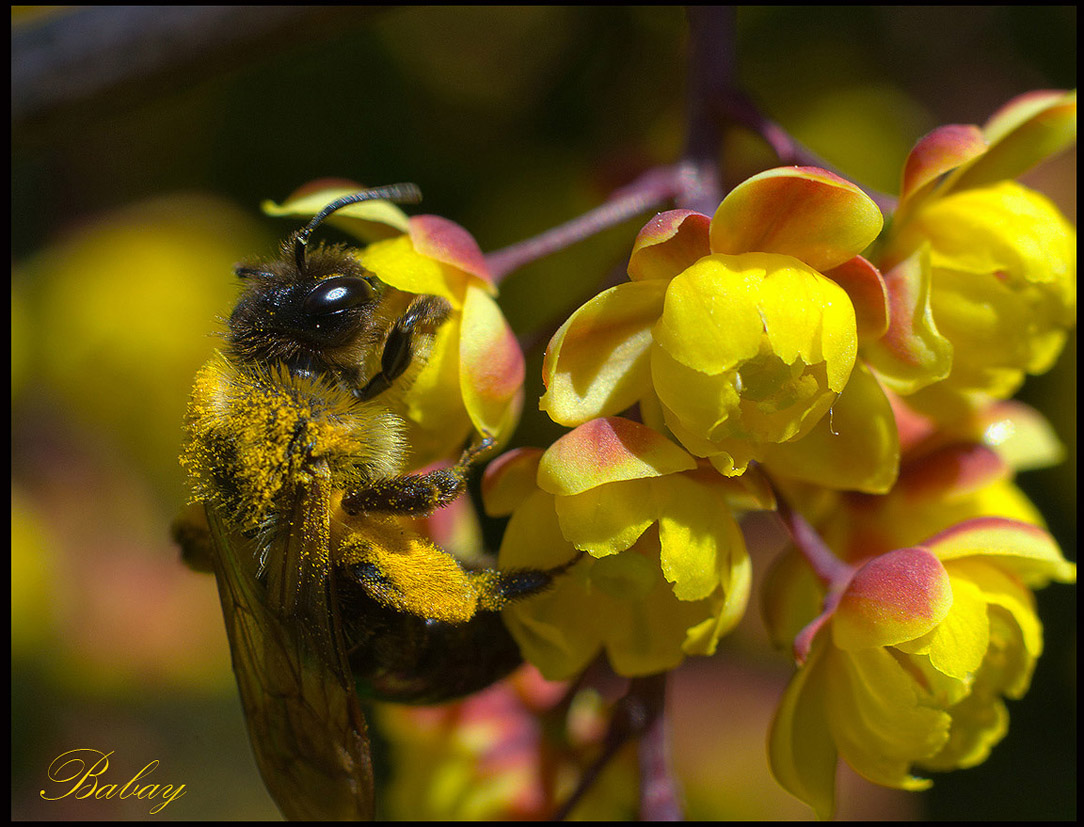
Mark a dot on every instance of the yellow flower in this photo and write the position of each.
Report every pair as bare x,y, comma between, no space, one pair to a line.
911,658
733,335
981,270
666,572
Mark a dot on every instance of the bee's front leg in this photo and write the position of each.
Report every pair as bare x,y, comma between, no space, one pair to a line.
424,315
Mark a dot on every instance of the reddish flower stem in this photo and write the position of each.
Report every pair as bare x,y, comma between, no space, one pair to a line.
659,797
654,187
828,568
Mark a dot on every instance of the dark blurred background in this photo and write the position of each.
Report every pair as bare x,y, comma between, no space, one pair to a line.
144,141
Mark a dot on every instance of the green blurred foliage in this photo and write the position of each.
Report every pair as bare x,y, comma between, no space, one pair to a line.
128,215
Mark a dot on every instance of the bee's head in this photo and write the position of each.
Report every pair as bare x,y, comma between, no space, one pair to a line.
307,307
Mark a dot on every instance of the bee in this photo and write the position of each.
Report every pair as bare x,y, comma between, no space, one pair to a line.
295,456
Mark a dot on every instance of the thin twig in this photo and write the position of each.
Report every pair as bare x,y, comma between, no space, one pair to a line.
649,190
659,797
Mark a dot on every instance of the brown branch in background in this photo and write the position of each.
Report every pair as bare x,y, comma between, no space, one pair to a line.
659,796
82,62
711,67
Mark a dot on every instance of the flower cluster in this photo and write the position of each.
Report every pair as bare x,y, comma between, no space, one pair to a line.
786,353
907,666
732,334
785,347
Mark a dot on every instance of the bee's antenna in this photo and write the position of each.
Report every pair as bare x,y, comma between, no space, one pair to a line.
399,193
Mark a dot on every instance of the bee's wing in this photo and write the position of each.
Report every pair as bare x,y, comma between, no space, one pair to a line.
304,722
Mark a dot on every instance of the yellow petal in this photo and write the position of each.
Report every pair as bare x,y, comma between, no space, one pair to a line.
854,447
866,288
607,519
367,220
878,719
559,631
800,747
596,364
698,534
396,262
647,637
957,645
1001,588
728,607
711,320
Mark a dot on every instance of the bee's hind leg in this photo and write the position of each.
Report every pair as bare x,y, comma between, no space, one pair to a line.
497,588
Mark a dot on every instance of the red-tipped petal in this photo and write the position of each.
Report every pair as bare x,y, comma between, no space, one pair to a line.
491,364
448,243
953,470
1022,133
866,288
607,450
912,353
509,479
940,151
668,243
1025,549
805,212
893,598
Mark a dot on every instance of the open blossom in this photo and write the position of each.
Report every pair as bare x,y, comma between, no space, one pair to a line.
665,573
915,642
473,377
734,335
907,667
981,270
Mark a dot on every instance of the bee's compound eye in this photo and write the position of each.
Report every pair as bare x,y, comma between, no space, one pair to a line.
336,294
